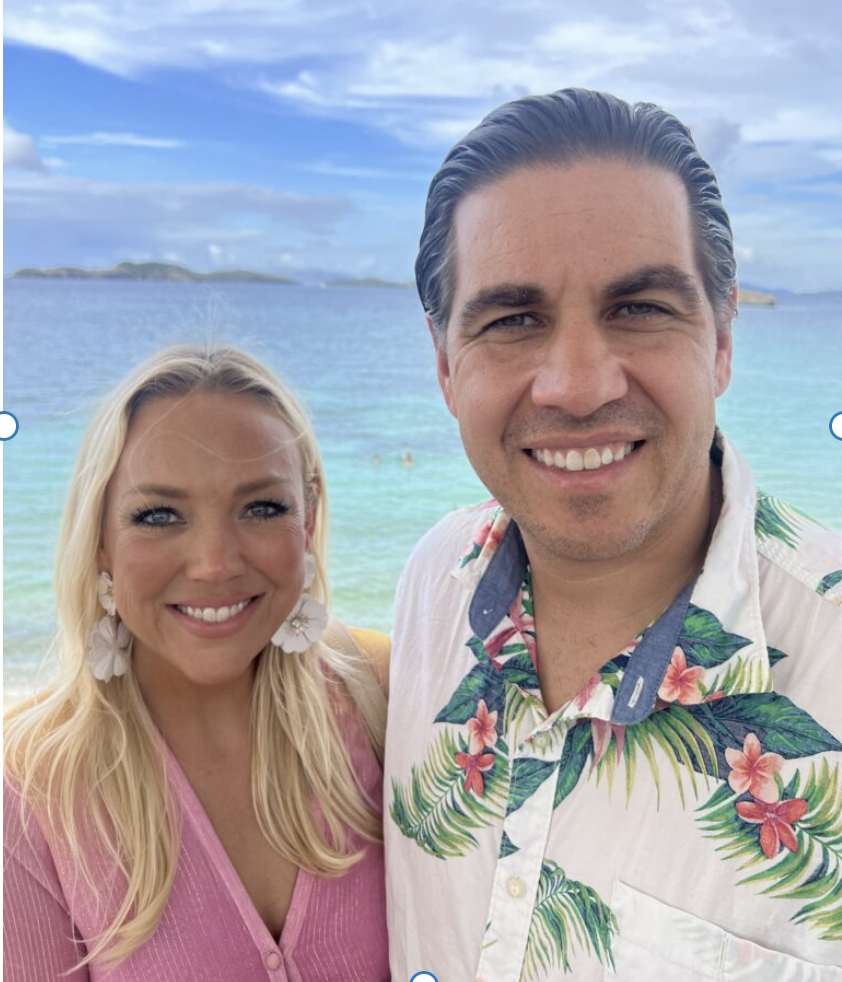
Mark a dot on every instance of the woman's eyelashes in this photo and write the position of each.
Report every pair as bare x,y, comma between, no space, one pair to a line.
164,516
158,516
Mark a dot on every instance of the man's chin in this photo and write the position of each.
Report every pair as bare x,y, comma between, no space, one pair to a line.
592,535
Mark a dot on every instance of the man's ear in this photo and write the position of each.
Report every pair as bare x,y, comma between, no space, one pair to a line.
442,365
724,345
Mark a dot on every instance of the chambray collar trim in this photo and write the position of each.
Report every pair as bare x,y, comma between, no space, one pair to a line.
729,584
500,583
648,664
495,566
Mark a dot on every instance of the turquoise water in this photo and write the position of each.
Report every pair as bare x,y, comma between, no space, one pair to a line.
362,362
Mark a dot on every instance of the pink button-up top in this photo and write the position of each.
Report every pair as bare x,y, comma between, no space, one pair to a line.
334,930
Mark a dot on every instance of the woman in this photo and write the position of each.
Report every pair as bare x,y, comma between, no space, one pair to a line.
197,795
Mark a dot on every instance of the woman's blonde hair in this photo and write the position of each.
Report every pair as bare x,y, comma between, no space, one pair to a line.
88,748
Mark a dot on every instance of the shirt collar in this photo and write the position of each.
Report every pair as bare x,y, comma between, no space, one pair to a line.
494,568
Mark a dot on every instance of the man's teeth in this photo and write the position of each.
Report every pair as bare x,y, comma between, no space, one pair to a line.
215,615
591,459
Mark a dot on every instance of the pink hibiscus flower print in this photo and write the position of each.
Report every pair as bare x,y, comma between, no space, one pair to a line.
482,729
776,820
681,684
474,765
582,697
488,539
525,625
754,771
602,731
494,645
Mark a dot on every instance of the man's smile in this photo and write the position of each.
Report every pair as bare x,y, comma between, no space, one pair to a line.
588,458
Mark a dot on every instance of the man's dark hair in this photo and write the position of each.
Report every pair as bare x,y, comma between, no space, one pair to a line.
564,128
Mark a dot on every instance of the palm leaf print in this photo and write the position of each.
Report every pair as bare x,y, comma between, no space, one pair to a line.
682,739
776,519
829,582
568,916
811,872
436,809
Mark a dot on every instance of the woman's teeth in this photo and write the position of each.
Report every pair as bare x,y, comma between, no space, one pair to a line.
591,459
214,615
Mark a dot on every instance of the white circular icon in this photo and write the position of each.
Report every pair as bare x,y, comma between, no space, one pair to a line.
423,977
836,425
8,425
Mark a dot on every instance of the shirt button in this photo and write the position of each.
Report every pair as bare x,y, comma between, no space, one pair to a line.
516,888
273,961
541,740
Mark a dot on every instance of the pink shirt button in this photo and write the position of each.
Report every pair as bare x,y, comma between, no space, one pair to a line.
273,961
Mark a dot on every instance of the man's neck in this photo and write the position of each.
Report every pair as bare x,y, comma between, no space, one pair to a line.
587,612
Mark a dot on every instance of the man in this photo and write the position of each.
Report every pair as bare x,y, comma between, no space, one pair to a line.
614,729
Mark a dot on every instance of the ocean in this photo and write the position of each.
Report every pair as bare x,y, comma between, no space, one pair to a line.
361,360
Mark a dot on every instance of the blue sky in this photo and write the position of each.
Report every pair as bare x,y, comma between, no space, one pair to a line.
299,137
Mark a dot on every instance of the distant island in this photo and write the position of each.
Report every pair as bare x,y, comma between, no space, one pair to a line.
368,281
756,298
173,273
149,273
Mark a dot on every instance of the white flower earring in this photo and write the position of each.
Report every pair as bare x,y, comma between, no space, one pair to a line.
308,619
110,642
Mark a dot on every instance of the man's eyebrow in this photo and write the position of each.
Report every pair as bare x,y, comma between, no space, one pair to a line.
170,491
665,277
502,295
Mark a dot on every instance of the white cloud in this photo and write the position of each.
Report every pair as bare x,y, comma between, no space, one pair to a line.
53,219
330,169
113,140
758,83
19,150
801,123
420,71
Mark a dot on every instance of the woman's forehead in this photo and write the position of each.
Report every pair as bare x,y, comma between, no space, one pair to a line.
207,430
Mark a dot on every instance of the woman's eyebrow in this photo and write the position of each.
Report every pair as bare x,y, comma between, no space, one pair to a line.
171,491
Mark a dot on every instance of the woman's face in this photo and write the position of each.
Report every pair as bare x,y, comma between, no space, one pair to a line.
205,531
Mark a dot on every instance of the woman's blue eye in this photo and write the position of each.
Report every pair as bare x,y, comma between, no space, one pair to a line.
262,510
155,517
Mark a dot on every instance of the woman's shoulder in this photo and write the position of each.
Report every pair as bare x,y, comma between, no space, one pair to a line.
377,648
361,667
27,850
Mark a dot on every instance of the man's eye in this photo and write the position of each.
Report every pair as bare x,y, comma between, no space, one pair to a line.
513,322
263,510
639,310
155,517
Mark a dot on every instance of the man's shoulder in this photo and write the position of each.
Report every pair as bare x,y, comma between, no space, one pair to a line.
808,551
450,540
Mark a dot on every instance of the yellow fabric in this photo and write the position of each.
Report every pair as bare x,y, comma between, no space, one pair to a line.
376,645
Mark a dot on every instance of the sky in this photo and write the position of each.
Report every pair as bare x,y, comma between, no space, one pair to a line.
299,136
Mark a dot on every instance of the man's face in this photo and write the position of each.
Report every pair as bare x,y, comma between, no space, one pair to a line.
581,358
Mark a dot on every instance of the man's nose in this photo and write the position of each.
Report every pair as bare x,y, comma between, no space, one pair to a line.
579,371
216,553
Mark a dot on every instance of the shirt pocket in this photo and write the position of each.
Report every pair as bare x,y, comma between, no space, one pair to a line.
656,941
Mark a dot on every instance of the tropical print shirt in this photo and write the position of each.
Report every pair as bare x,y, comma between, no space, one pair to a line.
679,819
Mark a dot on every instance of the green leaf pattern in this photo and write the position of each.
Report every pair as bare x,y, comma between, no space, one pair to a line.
441,813
813,872
567,915
437,811
776,519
